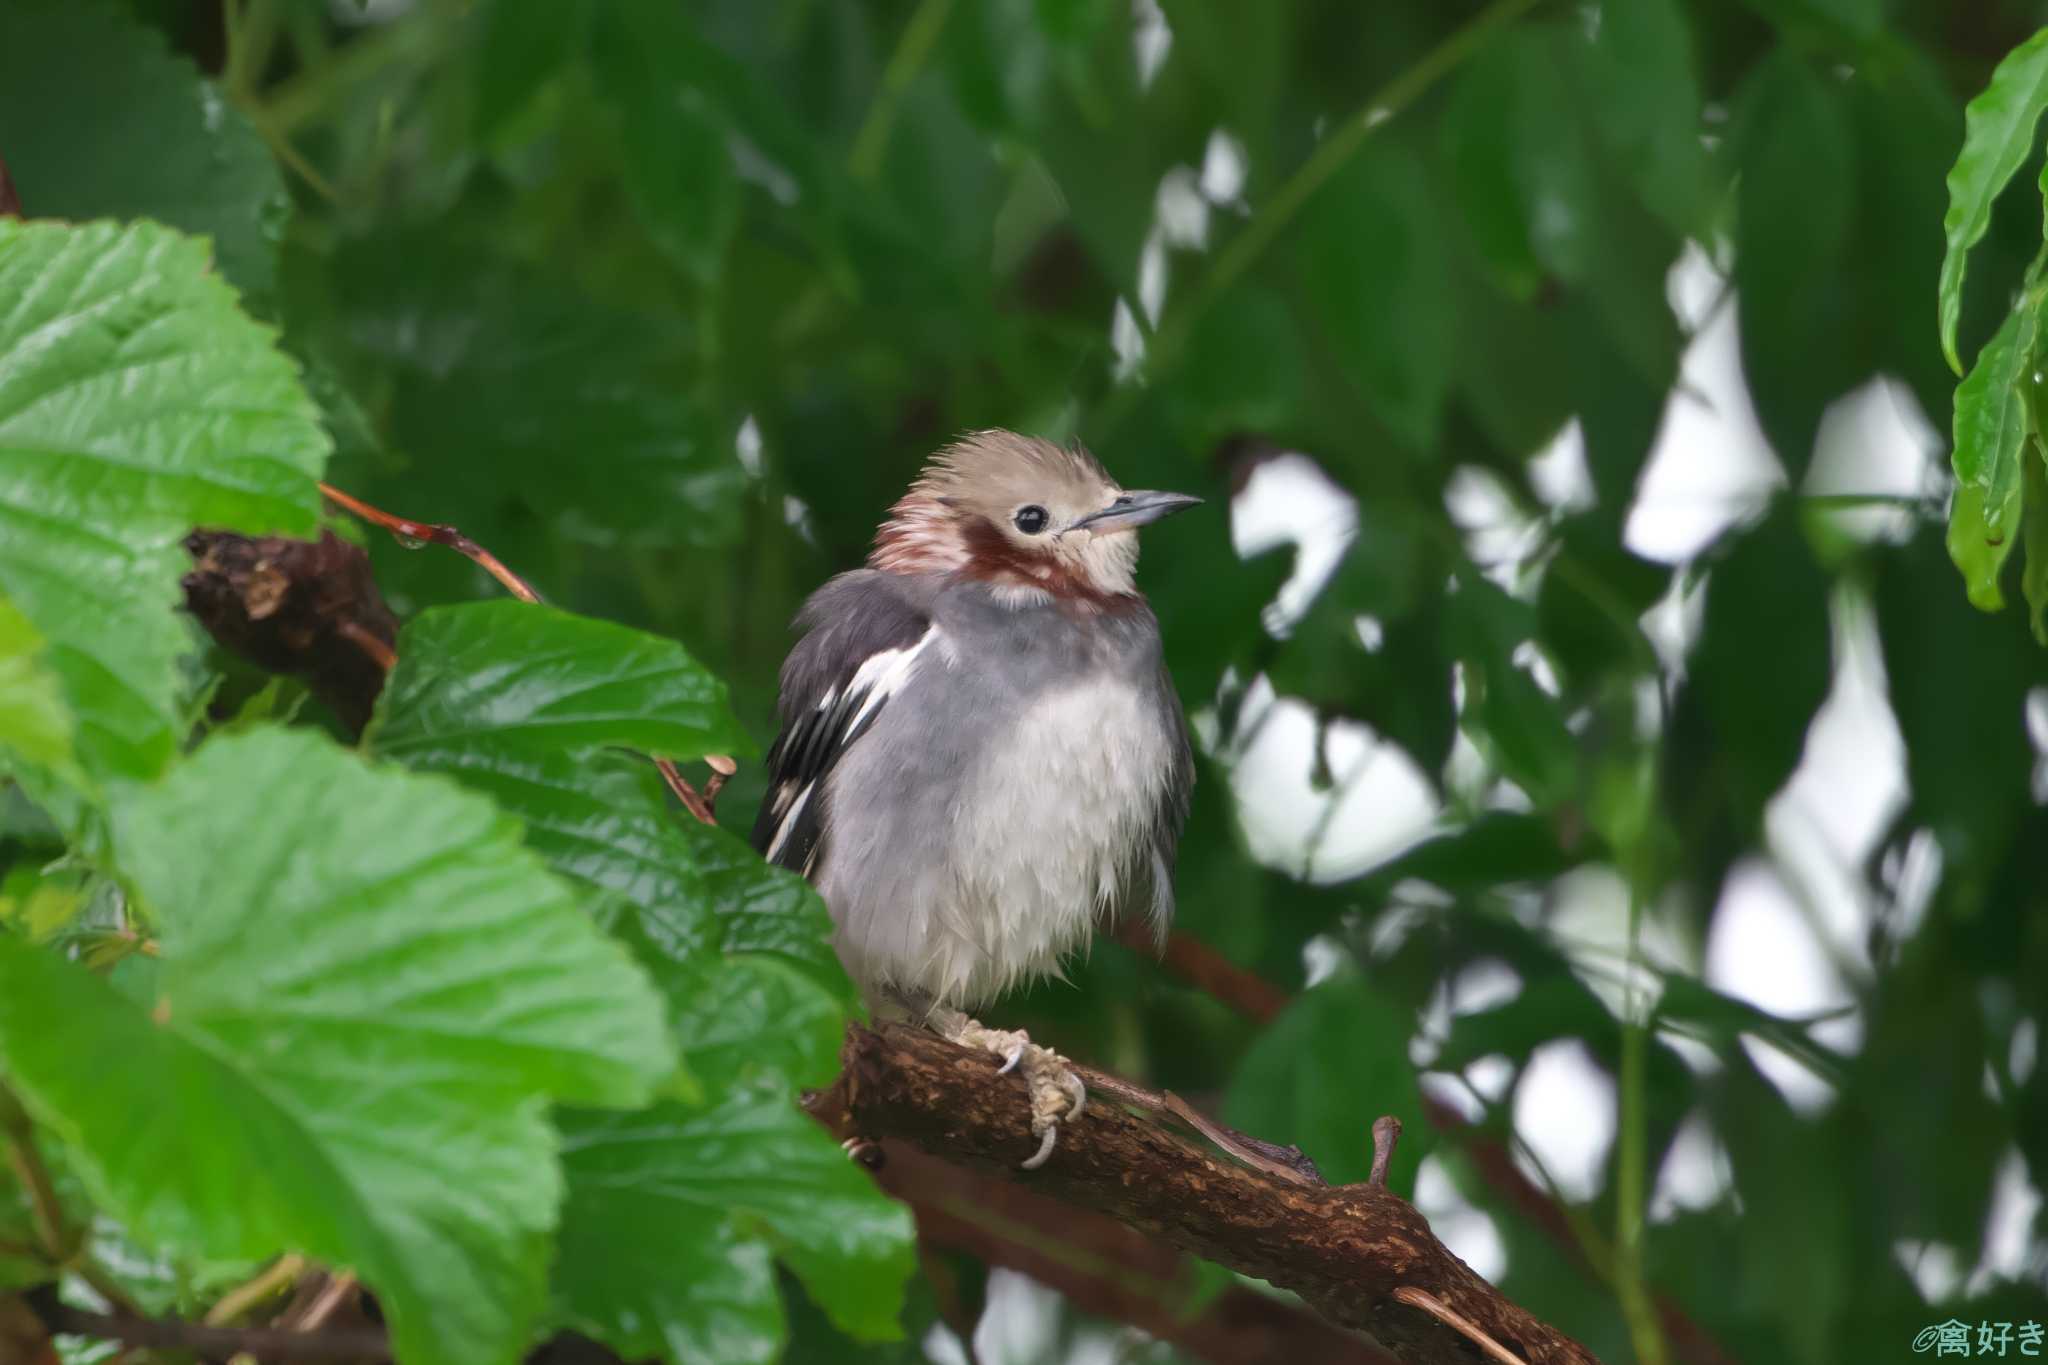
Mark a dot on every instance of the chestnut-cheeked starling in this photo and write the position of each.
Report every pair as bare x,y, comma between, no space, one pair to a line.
982,757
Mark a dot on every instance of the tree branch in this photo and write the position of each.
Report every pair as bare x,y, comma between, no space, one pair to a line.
1343,1249
169,1334
1259,1000
1108,1268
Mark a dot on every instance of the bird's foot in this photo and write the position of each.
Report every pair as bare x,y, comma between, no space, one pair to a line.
1057,1095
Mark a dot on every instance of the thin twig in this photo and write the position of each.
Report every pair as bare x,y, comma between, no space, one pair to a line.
406,529
172,1334
276,1278
1386,1134
409,531
685,793
1428,1303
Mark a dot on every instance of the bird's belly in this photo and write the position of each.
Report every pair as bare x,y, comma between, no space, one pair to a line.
1052,828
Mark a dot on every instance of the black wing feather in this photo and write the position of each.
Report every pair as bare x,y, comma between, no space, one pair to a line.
849,621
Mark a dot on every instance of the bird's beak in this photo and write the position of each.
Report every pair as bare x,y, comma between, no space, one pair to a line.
1132,510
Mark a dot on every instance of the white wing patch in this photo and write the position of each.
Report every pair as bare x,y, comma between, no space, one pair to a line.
840,716
881,676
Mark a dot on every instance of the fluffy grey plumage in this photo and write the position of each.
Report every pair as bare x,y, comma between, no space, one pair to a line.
982,755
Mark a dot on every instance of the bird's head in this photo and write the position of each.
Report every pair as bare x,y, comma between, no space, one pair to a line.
1038,521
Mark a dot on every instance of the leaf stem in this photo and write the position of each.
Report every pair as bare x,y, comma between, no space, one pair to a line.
912,50
1338,147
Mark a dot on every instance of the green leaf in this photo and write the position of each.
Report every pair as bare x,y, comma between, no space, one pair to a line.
1854,20
1766,600
1519,164
1980,540
1990,442
366,993
2034,576
480,363
35,725
1520,724
521,677
1645,93
529,705
1796,150
78,80
672,138
1335,1060
1371,262
135,403
656,1195
1998,138
751,1017
522,48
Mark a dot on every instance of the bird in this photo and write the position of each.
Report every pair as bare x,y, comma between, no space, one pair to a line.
982,757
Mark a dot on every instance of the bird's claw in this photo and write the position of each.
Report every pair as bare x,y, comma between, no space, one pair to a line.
1057,1094
1044,1152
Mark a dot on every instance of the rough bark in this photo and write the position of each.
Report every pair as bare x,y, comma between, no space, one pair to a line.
1344,1249
1108,1268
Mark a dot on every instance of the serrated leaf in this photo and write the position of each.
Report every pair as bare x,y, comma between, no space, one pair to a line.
35,724
367,990
78,79
135,403
676,1185
1998,138
524,703
522,677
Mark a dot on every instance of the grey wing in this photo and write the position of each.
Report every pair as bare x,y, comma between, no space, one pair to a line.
862,638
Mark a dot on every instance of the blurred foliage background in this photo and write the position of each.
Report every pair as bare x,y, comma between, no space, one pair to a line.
665,303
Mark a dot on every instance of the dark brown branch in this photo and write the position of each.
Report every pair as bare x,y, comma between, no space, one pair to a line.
308,609
1260,1001
1343,1249
1109,1269
170,1334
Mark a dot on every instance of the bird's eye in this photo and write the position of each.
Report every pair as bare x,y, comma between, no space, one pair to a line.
1031,520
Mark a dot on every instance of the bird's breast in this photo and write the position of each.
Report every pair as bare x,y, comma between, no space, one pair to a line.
1055,823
